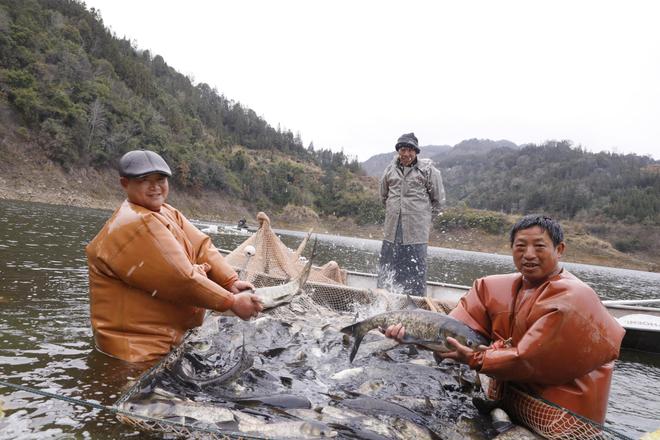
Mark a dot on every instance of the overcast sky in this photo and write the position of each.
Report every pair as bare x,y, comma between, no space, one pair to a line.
357,74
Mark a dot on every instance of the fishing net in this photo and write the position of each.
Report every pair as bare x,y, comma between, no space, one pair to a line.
273,262
552,421
325,305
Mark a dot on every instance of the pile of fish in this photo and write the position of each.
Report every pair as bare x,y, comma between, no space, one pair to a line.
287,374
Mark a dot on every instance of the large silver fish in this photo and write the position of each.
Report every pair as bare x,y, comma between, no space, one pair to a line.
423,328
273,296
175,407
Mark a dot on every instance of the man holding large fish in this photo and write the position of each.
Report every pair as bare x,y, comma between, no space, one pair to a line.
552,336
152,274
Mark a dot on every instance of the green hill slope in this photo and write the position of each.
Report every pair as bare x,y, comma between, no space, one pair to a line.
72,91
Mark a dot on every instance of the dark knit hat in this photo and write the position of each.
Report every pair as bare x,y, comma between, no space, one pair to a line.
138,163
407,140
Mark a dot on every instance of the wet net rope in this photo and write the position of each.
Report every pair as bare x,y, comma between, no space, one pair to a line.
552,421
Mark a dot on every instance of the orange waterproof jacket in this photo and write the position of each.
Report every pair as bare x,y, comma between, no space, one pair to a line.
151,275
563,340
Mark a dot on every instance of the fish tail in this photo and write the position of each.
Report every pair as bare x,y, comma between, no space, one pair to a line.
357,331
307,269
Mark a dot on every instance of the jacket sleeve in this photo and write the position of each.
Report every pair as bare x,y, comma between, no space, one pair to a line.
221,272
384,187
151,259
436,190
567,337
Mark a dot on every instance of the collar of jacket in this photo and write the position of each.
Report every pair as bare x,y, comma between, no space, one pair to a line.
413,164
422,164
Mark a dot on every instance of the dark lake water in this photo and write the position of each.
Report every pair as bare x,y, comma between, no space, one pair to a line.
46,341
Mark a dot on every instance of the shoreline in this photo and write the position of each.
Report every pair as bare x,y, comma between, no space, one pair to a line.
23,180
202,209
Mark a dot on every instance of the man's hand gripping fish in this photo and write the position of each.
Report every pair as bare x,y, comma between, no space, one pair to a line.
274,296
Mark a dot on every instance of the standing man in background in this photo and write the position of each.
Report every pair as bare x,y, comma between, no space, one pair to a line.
411,190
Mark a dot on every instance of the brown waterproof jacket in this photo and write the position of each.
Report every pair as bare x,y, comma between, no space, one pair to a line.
563,340
151,275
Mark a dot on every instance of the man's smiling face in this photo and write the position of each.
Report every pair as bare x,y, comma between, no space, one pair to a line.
534,254
149,191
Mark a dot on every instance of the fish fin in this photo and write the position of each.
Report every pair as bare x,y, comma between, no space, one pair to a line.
349,329
302,245
353,330
356,345
410,303
302,278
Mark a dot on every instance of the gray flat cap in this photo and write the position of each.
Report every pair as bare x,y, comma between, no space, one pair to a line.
138,163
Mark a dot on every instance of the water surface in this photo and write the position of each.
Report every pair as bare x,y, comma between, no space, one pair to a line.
46,341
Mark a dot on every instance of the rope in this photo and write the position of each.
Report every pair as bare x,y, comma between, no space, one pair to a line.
114,410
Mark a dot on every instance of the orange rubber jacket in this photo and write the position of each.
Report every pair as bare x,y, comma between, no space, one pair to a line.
563,340
151,275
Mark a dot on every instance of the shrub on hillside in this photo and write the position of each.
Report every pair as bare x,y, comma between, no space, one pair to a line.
466,218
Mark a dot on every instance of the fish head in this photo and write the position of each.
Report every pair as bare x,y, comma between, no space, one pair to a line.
471,339
463,334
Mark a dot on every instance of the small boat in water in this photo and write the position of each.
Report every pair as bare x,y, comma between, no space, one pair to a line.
642,323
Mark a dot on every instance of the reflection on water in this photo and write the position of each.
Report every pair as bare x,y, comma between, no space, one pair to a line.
46,341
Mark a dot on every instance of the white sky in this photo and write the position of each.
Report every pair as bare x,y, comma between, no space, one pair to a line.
357,74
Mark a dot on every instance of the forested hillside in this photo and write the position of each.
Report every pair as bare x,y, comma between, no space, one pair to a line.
612,196
84,97
555,178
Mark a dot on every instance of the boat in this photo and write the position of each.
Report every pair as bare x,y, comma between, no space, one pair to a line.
641,321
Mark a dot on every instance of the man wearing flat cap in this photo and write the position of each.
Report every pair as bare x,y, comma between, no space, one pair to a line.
411,190
152,274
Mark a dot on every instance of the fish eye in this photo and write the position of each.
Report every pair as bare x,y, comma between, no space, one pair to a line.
469,343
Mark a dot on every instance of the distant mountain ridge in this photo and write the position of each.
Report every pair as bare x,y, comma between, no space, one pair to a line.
375,165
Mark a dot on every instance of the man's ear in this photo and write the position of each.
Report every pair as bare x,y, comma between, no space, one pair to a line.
123,181
561,247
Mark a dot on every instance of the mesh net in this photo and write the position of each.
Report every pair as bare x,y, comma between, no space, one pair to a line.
552,421
273,262
327,295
